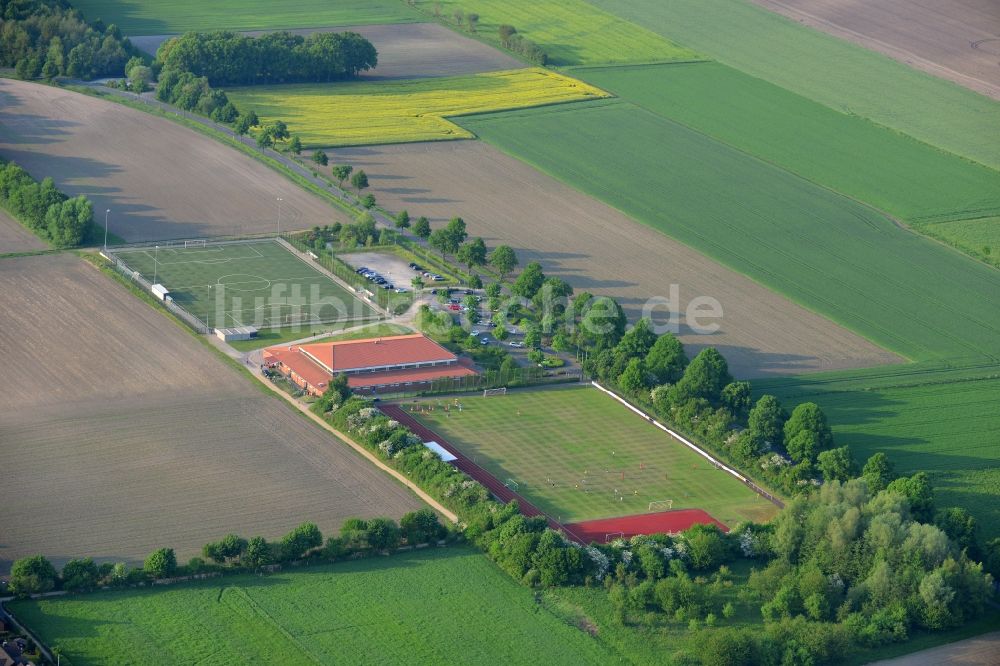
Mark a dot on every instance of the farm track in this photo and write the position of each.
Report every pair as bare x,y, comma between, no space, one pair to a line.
599,249
160,179
121,434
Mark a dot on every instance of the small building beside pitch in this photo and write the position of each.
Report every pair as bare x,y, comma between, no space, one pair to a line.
236,334
399,362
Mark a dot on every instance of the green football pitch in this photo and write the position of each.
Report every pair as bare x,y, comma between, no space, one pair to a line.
258,284
577,454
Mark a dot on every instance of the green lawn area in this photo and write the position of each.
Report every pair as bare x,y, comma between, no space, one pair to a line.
427,607
829,70
260,284
568,448
933,417
825,251
893,172
155,17
979,237
571,32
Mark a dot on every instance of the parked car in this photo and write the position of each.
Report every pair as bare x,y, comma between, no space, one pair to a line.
484,341
476,332
437,278
401,290
362,270
469,292
454,307
434,292
413,266
518,345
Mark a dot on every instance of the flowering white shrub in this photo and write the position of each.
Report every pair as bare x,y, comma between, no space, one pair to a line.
601,561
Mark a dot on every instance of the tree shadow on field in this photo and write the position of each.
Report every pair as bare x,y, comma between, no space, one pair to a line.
23,128
64,170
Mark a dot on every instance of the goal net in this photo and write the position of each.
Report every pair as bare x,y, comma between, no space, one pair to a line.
495,391
194,243
613,536
661,505
512,484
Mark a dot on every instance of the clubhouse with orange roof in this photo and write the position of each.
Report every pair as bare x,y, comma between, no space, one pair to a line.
399,362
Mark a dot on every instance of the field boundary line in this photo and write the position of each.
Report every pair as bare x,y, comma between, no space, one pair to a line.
437,506
694,447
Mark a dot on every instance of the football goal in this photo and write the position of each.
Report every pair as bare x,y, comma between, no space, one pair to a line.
512,484
613,536
194,243
661,505
495,391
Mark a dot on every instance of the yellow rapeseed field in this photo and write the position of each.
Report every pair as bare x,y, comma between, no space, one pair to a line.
360,113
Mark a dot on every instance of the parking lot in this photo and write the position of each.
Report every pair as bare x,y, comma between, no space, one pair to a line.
392,268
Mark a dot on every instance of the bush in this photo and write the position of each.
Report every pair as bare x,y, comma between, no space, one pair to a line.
30,575
161,563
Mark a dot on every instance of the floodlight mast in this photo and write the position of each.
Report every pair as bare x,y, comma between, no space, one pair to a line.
279,216
106,213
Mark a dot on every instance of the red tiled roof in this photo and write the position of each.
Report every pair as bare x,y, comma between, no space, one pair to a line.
378,352
411,375
312,372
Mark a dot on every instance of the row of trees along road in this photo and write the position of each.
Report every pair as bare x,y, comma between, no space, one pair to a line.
228,58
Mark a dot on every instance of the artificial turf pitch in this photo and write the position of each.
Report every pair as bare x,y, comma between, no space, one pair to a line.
578,455
258,284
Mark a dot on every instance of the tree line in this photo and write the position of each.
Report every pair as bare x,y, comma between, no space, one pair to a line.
228,58
48,38
849,565
233,554
508,35
52,215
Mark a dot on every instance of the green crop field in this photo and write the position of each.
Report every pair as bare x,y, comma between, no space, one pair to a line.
359,113
571,32
893,172
825,251
428,607
155,17
933,417
570,450
260,284
831,71
978,237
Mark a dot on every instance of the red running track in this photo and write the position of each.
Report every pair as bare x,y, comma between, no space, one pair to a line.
643,523
583,532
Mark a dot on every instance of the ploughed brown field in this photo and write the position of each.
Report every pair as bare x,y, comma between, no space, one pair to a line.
160,179
598,249
405,50
15,238
121,433
958,40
